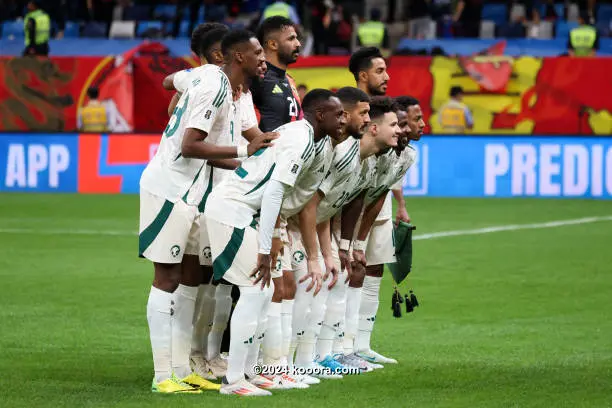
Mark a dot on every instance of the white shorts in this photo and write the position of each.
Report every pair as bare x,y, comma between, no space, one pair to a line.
167,231
205,254
234,252
380,242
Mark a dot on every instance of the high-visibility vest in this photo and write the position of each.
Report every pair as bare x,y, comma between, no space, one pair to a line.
452,117
371,34
277,9
583,39
43,27
94,118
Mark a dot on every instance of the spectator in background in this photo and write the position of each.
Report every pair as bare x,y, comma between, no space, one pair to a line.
583,40
373,33
232,18
467,17
281,8
302,91
37,26
455,116
320,18
93,117
339,30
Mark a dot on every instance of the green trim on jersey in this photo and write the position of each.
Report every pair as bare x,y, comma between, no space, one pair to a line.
348,157
259,152
309,148
207,192
241,172
178,156
263,181
221,94
148,235
320,145
192,183
178,115
226,258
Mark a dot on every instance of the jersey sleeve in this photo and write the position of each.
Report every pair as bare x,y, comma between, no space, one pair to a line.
247,112
207,99
181,80
290,155
399,185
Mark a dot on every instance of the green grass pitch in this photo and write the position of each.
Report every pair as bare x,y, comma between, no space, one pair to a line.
507,319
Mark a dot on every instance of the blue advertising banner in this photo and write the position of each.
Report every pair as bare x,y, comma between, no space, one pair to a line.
42,162
512,167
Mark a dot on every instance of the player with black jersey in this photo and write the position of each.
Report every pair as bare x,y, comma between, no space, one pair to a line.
276,97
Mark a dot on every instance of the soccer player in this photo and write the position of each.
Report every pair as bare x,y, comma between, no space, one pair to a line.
171,189
241,254
278,103
391,170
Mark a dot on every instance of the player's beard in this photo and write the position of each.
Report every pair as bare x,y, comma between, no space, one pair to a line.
355,132
288,57
376,90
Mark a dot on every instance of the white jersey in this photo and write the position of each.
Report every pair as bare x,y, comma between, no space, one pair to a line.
349,176
236,201
390,168
205,105
308,182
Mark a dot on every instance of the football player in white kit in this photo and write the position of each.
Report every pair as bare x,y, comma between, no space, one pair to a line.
241,253
391,169
171,188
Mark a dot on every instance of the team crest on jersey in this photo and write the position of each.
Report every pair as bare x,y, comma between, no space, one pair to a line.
206,253
279,266
208,113
298,256
294,168
175,250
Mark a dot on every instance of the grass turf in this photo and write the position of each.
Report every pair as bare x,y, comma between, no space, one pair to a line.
509,319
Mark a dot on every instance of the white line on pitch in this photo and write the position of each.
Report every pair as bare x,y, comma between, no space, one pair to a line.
433,235
512,227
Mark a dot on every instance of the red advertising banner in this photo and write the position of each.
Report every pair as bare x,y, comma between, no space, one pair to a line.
506,95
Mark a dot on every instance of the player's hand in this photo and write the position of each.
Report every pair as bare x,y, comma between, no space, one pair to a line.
359,257
261,141
314,273
401,215
345,263
277,249
262,270
330,267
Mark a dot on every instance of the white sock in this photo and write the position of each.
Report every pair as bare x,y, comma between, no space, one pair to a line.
182,328
301,311
337,301
367,312
159,316
331,325
202,320
223,307
353,300
243,326
273,342
260,334
317,316
286,320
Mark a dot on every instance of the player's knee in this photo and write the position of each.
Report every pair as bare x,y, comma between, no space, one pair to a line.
289,286
167,276
375,270
278,294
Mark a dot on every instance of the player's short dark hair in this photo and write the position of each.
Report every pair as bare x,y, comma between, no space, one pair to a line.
456,91
93,93
361,60
271,25
302,86
201,40
351,96
379,105
234,38
406,101
314,98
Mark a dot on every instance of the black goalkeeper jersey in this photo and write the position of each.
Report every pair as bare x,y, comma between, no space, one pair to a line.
276,99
